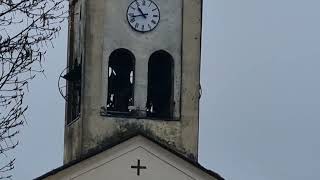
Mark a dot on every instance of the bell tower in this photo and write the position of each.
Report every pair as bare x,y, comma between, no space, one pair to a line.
133,68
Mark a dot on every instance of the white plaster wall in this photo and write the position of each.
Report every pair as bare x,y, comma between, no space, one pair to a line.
115,164
72,134
166,36
100,39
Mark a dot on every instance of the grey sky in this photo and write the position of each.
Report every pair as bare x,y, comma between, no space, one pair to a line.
260,108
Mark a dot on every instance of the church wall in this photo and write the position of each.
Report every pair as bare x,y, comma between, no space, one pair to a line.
72,147
167,36
116,164
72,134
96,131
192,29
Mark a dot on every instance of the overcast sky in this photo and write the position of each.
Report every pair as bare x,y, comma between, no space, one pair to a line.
260,109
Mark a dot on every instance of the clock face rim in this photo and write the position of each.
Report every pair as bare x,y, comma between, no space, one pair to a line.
138,29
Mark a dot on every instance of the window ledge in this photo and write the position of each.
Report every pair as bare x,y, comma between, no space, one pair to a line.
104,112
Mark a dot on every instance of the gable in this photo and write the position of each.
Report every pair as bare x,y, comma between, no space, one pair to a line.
136,158
125,166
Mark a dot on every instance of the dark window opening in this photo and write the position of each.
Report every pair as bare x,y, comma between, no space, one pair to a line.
160,85
120,81
74,70
73,78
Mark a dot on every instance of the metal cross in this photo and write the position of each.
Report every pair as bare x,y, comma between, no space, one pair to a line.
138,167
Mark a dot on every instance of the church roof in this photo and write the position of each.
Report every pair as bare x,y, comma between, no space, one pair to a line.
96,152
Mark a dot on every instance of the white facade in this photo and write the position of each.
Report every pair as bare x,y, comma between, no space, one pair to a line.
117,163
167,36
104,28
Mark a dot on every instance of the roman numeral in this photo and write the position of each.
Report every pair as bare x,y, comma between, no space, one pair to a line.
132,20
154,22
136,26
149,26
155,15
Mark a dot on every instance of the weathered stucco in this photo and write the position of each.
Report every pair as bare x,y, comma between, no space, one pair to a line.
115,164
105,29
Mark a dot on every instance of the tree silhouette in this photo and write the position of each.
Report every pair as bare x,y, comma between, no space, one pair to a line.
27,28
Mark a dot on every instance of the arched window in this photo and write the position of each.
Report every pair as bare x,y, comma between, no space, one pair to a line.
160,85
120,80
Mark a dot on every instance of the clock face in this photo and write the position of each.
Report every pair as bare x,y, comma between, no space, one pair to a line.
143,15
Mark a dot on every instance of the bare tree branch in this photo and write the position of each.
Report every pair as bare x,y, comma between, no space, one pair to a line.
27,27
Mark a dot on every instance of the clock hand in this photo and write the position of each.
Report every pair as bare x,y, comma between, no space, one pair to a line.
139,15
144,15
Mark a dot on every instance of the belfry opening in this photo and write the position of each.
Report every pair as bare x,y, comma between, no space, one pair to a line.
160,85
120,81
